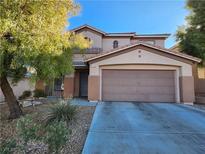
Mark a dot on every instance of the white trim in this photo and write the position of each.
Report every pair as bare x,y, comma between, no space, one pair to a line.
177,87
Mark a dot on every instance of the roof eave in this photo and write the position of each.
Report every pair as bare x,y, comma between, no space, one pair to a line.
194,59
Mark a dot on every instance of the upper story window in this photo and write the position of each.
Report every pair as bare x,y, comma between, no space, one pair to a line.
115,44
87,38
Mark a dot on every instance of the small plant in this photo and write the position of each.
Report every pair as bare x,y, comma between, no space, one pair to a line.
39,93
7,147
28,129
56,136
25,95
60,112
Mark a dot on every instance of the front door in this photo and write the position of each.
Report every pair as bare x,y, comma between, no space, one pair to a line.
83,84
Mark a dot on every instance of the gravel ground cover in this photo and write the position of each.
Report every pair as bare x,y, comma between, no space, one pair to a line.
79,128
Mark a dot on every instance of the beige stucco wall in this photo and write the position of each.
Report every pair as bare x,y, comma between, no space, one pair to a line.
146,60
108,42
157,42
19,88
96,38
140,56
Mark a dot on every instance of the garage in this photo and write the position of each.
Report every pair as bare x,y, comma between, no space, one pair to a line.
138,85
141,73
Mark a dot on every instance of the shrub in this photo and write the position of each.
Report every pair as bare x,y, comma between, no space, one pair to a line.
60,112
39,93
7,147
56,136
25,95
28,129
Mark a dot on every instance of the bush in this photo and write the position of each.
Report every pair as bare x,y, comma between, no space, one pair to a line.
7,147
25,95
56,136
28,129
39,93
60,112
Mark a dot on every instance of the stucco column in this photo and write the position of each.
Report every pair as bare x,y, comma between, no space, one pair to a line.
93,88
40,85
68,86
187,89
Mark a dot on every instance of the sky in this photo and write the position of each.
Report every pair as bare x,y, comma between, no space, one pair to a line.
140,16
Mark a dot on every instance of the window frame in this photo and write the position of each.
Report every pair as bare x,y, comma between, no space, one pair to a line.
115,44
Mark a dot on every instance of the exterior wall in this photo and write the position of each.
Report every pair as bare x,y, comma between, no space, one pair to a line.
157,42
68,86
143,59
139,56
200,87
187,89
108,42
201,72
76,84
95,37
93,88
40,85
18,89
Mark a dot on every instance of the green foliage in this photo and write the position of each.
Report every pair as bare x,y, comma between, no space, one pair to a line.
192,36
7,147
28,129
33,38
32,34
39,93
26,94
60,112
56,136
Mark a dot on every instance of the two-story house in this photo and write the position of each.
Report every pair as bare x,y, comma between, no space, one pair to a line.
130,67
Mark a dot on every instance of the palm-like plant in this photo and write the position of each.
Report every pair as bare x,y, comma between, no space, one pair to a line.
60,112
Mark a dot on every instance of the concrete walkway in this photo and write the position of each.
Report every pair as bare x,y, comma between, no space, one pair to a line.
146,128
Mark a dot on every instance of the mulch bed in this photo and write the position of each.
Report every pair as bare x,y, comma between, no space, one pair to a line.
79,127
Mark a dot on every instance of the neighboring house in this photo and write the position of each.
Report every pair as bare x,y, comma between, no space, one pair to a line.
19,88
130,67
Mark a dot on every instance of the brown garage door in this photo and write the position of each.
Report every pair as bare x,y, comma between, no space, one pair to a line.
138,85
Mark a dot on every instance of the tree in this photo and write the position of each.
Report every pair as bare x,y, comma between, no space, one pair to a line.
32,35
192,36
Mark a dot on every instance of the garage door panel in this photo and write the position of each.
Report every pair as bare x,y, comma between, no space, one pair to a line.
138,85
154,82
155,90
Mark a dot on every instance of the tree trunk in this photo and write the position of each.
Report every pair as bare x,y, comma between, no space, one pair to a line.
13,104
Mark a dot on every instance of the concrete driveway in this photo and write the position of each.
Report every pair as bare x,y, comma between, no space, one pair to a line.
146,128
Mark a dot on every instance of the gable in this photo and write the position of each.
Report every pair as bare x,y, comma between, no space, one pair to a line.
142,57
174,55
